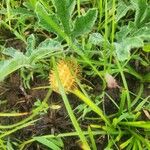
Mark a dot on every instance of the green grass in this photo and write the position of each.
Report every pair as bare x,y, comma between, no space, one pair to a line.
104,37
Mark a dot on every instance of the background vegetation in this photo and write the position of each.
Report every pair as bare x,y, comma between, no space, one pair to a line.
103,45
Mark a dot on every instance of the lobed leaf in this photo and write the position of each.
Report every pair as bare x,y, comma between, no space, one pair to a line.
142,14
123,48
84,24
11,65
122,9
48,21
10,51
96,39
64,9
143,33
45,49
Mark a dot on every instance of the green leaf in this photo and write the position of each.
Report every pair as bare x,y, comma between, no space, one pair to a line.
31,3
96,39
135,33
57,141
125,31
50,143
141,105
122,9
139,124
123,48
10,51
126,143
142,14
22,11
9,145
11,65
143,33
45,49
50,44
133,72
84,24
48,21
30,45
133,42
91,136
71,5
146,47
64,9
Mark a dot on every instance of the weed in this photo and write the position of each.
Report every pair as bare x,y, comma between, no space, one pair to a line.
106,43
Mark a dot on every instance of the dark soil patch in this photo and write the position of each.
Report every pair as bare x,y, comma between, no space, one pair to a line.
19,99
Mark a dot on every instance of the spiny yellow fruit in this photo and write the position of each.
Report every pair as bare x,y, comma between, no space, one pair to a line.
68,71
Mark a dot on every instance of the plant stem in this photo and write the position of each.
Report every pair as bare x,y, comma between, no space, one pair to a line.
105,36
91,104
100,11
78,7
125,85
69,109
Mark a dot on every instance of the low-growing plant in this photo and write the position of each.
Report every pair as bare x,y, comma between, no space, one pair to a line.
30,61
103,43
